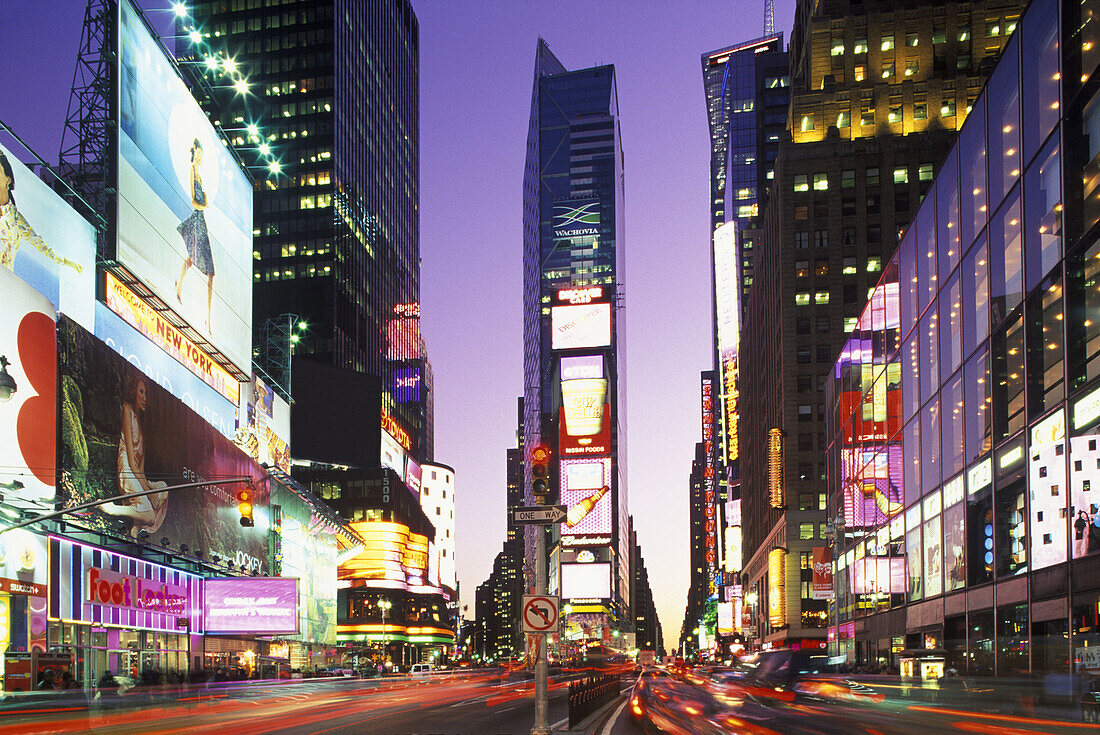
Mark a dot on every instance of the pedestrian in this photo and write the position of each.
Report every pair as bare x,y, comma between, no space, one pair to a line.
47,682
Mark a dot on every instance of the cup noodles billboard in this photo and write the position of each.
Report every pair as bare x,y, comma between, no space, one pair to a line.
580,318
584,418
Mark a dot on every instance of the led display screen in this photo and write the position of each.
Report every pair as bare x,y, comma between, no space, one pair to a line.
406,385
1047,478
878,574
580,326
46,243
184,204
28,421
584,492
394,557
580,581
254,606
872,477
122,433
727,301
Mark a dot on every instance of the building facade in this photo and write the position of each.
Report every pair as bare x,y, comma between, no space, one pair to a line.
437,498
878,91
962,409
574,367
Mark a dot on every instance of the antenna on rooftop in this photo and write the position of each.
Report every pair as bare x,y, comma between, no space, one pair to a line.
769,17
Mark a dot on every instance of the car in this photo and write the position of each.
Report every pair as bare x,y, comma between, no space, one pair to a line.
419,670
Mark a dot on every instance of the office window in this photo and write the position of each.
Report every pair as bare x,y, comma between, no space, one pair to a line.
894,114
843,119
920,111
962,63
805,531
801,211
874,265
801,182
912,67
821,267
850,323
805,502
849,267
821,182
887,43
802,325
821,297
807,123
860,46
822,324
939,37
805,383
825,354
911,40
947,108
802,298
805,412
924,173
963,33
888,69
860,73
848,206
838,47
1044,354
801,268
821,238
871,177
847,179
901,175
801,239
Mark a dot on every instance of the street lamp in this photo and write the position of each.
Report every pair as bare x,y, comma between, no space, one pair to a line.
834,533
385,606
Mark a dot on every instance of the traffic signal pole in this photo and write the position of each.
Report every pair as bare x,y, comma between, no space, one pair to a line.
542,702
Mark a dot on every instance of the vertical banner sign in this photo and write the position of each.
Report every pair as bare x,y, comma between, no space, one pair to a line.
823,573
777,587
709,481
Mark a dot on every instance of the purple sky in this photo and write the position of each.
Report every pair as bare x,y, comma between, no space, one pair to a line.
476,64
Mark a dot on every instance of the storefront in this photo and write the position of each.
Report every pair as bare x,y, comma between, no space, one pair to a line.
116,613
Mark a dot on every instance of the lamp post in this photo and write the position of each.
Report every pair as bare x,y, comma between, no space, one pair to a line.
385,606
834,533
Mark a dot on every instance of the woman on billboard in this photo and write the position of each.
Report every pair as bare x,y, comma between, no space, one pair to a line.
195,235
147,512
14,227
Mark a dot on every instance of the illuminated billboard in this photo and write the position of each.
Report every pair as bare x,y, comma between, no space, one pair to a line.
45,242
406,385
255,606
393,454
585,492
878,575
777,587
872,481
28,421
123,433
394,557
184,204
152,324
263,425
727,300
586,581
309,547
576,218
582,326
1047,476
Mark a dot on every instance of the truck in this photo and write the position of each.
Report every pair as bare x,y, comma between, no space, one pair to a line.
647,658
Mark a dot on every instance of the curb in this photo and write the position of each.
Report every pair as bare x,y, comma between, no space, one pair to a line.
596,720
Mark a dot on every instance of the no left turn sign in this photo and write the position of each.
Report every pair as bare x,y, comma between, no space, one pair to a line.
540,613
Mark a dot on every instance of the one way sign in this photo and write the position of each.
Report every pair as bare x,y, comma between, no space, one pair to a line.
539,514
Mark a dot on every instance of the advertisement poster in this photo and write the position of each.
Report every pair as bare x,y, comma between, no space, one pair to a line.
122,433
575,327
256,606
823,573
184,204
45,242
263,425
165,371
586,581
28,418
1047,477
310,553
584,492
872,477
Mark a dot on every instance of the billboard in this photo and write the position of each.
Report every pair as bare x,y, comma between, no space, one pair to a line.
93,585
823,573
586,581
872,481
1047,476
165,371
152,324
184,204
122,433
406,385
263,425
580,318
45,242
878,575
28,421
576,218
252,605
326,396
727,301
585,492
394,557
310,549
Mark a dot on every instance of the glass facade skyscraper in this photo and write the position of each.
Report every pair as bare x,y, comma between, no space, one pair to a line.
963,416
574,379
334,91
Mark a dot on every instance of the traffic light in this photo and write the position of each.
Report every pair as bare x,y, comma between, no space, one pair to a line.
244,505
540,472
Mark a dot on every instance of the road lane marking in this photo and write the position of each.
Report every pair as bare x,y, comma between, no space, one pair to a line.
611,722
559,723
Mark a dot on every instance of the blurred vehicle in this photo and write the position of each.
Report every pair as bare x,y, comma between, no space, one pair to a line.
419,670
1090,702
660,704
835,689
647,658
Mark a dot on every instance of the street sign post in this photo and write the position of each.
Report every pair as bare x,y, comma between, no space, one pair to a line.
539,514
540,614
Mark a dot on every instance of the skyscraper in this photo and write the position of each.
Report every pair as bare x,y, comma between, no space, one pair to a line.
333,91
574,380
877,93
